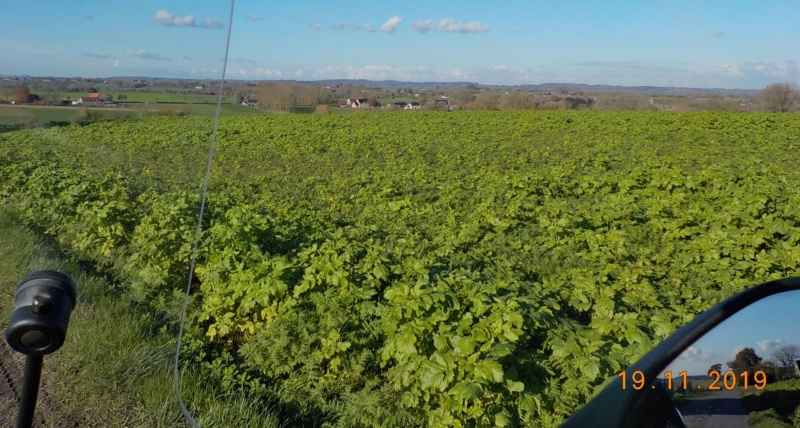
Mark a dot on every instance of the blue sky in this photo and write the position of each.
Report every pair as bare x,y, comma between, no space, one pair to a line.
728,44
764,326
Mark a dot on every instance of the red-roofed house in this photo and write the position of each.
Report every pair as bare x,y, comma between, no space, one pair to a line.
96,100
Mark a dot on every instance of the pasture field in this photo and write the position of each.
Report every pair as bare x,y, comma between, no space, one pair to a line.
12,114
199,109
155,97
36,114
442,269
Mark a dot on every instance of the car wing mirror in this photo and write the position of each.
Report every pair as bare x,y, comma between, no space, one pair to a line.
728,355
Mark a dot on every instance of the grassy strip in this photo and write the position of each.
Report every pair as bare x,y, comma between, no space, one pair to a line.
115,367
766,419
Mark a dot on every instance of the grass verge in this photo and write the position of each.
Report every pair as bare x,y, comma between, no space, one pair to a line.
115,368
766,419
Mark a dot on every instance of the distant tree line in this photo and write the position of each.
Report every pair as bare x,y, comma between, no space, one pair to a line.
285,96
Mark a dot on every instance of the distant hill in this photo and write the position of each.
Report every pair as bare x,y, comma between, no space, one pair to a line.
391,84
540,87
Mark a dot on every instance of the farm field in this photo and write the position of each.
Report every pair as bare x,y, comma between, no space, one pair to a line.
12,114
152,97
473,268
200,109
27,114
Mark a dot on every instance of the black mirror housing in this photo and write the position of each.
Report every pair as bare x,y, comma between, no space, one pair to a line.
43,304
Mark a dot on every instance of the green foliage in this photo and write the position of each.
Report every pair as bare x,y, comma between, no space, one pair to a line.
459,269
766,419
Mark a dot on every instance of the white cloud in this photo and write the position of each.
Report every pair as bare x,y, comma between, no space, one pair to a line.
212,23
369,27
337,26
731,69
267,72
298,73
151,56
163,17
390,26
386,72
690,352
448,26
94,55
751,74
254,17
694,353
788,69
241,59
770,345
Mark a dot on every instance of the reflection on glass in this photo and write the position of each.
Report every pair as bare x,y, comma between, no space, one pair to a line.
746,364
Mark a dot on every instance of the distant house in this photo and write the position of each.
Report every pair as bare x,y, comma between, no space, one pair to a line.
406,105
357,103
95,100
250,103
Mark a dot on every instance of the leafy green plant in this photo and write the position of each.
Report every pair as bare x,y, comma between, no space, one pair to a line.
468,269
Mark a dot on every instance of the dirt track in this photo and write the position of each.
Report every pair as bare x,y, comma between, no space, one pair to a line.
11,370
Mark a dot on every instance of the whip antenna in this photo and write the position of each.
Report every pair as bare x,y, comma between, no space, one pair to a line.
176,372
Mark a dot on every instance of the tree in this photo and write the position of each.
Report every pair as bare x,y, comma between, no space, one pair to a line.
22,94
746,361
778,97
461,96
277,97
715,368
356,91
515,100
484,101
786,355
429,105
562,90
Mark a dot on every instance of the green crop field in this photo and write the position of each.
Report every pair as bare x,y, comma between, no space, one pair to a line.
442,269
